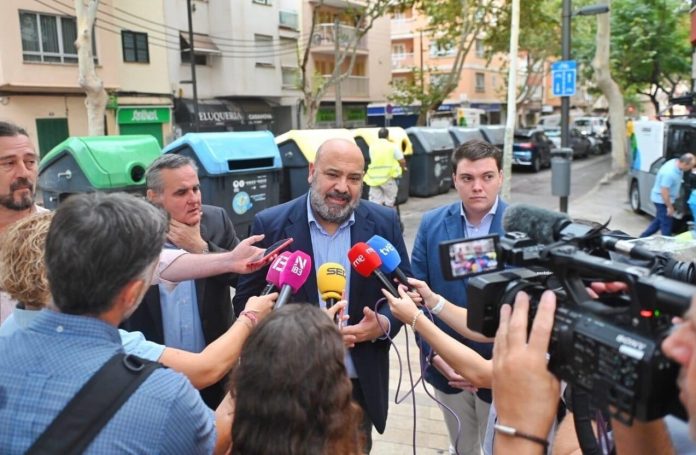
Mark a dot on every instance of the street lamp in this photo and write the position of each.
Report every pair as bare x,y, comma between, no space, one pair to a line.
565,50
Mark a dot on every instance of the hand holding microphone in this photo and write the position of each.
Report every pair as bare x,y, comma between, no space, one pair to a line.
366,261
293,276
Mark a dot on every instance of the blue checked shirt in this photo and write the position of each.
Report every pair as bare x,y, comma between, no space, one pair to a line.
43,366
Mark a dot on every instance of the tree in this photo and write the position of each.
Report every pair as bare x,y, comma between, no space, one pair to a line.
540,20
96,96
315,85
452,24
612,92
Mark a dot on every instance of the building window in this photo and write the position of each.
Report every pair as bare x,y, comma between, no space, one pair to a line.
442,49
480,51
48,38
398,49
480,82
264,50
135,47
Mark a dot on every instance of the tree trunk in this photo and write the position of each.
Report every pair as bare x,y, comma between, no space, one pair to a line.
511,100
612,92
96,96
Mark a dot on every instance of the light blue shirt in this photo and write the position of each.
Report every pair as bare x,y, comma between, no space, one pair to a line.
133,342
484,227
44,366
669,176
181,321
332,248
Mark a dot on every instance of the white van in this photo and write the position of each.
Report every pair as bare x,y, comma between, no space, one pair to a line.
592,126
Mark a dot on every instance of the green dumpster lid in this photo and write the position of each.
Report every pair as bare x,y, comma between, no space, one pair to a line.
108,161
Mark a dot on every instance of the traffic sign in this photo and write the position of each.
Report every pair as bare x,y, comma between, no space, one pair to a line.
564,74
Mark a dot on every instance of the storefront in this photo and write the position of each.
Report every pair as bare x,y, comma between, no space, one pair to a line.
144,120
215,115
354,115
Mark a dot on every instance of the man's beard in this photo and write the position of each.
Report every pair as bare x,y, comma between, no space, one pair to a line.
8,201
328,213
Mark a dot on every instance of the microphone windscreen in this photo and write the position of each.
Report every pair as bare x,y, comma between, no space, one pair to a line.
387,253
364,259
277,266
539,224
331,280
296,271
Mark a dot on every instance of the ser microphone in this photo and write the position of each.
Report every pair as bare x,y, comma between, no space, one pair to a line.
273,274
331,282
390,258
366,262
293,276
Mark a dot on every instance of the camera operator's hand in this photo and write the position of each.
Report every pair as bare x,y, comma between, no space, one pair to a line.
526,394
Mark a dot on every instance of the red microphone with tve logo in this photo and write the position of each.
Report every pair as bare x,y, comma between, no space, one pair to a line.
366,262
293,276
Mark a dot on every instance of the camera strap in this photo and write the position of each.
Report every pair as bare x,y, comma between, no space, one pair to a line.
81,420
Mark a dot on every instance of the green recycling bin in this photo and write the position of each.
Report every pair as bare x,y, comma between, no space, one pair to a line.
96,163
297,150
430,168
238,171
364,138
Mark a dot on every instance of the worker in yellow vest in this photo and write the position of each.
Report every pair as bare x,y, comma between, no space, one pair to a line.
386,165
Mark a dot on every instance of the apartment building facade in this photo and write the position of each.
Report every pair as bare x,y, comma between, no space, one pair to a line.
371,72
246,64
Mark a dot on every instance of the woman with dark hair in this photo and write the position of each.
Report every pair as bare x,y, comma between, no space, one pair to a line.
292,394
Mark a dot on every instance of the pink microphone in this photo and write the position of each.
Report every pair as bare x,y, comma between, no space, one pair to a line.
293,276
273,275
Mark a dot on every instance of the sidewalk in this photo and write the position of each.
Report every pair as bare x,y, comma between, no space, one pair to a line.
599,204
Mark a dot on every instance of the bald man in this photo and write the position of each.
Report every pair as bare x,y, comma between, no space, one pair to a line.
325,223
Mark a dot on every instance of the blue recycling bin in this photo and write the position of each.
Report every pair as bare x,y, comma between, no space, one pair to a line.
238,171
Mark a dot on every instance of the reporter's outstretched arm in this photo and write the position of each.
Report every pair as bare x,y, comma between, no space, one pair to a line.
525,393
642,438
452,315
217,359
461,358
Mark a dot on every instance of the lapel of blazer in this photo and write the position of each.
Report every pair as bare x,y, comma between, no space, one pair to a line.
298,228
454,225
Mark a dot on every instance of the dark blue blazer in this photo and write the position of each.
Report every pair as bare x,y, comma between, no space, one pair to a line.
446,223
371,359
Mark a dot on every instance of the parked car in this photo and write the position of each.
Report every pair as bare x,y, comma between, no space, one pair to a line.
580,143
592,126
531,148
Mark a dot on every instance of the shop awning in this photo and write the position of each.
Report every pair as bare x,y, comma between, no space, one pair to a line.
256,111
202,44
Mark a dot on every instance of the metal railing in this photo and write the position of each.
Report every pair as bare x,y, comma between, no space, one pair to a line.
352,87
325,35
402,61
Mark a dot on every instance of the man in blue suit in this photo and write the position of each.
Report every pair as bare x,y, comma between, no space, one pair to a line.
325,223
478,177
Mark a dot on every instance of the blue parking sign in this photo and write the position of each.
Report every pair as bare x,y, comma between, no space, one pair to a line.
564,76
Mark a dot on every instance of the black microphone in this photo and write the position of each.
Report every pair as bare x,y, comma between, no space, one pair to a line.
539,224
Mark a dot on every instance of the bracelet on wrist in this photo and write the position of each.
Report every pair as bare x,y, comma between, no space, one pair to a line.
439,306
515,433
251,317
415,318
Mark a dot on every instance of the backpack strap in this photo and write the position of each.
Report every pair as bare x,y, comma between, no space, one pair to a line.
74,429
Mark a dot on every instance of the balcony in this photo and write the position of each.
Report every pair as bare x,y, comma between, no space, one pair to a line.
402,62
291,77
402,27
324,38
351,87
289,20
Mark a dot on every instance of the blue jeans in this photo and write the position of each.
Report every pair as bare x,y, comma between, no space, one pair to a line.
662,222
